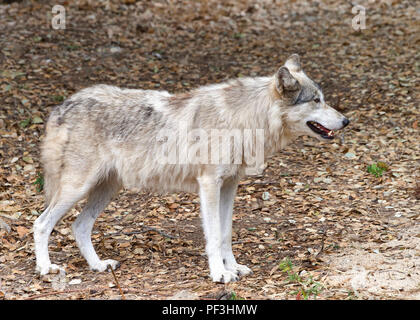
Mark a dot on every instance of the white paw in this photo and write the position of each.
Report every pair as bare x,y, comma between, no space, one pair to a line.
224,276
49,268
239,269
102,265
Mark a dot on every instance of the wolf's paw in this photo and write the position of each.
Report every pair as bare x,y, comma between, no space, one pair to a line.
224,276
102,265
49,268
239,269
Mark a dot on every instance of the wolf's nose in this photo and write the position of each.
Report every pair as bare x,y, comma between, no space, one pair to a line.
345,122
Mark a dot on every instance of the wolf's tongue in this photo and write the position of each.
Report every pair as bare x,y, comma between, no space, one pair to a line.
329,132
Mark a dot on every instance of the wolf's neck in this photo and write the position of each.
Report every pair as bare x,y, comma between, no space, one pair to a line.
258,106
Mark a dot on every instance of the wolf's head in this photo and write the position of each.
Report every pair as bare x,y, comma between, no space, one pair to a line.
307,113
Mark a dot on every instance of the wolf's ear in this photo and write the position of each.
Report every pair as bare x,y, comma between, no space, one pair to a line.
293,63
285,83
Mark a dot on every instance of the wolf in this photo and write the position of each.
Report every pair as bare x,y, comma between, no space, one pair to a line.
104,138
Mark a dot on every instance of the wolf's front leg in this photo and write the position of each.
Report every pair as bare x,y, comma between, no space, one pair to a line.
227,197
210,212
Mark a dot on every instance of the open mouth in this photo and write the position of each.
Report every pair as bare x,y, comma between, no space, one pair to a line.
321,130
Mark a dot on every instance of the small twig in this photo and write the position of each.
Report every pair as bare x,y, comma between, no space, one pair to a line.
117,283
145,229
158,231
42,295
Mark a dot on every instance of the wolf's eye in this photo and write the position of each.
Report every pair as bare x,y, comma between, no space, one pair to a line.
316,100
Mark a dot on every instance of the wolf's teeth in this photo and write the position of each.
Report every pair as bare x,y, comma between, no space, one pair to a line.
330,133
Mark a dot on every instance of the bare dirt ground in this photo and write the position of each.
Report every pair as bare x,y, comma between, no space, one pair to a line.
315,225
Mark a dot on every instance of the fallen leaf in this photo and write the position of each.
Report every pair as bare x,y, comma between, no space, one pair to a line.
22,231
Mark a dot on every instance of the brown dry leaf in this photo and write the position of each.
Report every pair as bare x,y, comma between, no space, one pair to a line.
22,231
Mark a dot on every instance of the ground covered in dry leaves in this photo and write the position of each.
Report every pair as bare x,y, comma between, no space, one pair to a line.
315,225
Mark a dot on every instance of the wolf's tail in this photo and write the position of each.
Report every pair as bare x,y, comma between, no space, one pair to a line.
52,156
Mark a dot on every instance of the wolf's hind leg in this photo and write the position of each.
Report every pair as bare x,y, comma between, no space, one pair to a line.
43,226
98,199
